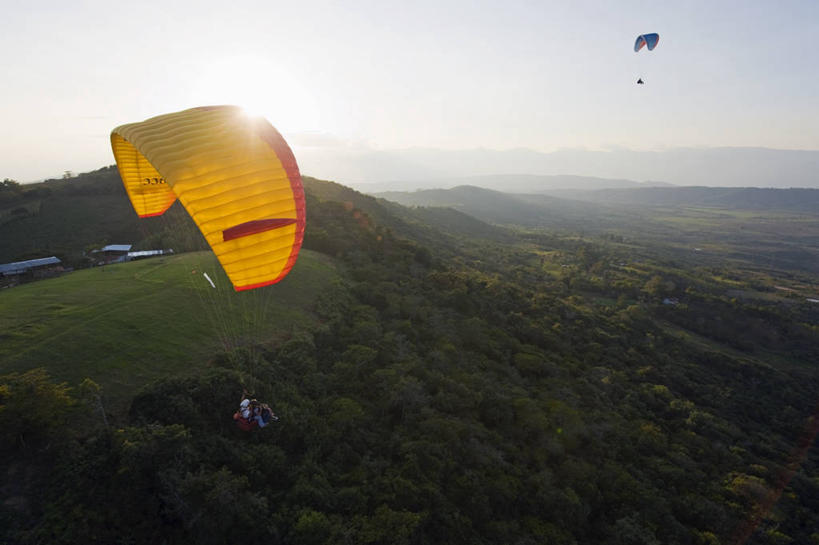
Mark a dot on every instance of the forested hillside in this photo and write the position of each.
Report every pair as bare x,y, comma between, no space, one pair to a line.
71,216
515,386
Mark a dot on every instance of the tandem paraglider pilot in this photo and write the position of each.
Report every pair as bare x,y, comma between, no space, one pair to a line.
252,414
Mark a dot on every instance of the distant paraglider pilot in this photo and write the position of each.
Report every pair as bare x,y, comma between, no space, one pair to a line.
648,41
252,414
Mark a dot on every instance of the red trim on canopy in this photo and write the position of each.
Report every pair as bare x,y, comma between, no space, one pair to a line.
272,137
152,214
255,226
260,284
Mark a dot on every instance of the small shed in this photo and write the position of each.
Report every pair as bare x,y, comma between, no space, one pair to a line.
33,269
113,253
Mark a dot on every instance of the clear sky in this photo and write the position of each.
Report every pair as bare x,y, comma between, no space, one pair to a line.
543,75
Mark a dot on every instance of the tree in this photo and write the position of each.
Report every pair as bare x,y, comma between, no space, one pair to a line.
10,190
10,185
32,408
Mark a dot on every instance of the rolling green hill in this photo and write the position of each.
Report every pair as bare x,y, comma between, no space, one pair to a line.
68,217
127,324
502,208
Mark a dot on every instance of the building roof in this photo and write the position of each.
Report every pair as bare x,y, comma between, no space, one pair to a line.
21,266
117,248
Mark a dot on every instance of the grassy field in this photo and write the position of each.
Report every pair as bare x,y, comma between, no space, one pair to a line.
127,324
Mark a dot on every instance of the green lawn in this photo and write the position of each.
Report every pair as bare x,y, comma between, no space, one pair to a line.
127,324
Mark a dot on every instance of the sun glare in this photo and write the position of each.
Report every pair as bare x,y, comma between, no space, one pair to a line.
261,88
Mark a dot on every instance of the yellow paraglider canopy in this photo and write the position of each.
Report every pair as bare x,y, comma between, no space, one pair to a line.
234,174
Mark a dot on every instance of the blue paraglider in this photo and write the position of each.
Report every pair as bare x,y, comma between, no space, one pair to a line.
649,41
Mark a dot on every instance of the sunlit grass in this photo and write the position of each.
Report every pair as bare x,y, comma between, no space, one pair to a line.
123,325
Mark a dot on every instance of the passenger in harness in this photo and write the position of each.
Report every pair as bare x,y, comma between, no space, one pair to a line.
252,414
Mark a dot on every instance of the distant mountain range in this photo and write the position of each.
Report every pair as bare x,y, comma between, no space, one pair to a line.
513,183
500,208
379,170
573,208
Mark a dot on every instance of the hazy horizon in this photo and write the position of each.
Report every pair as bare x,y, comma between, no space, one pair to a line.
424,168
